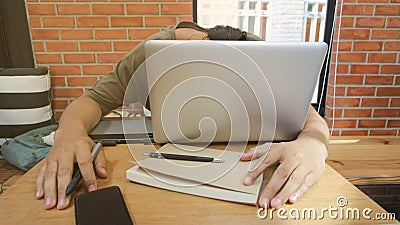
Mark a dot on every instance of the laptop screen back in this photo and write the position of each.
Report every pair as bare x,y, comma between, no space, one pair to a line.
224,91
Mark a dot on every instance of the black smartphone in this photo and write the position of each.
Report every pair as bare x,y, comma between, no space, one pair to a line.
104,206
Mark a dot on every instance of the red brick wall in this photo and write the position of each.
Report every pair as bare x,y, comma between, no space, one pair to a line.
81,40
366,64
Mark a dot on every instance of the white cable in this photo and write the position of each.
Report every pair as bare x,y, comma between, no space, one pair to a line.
336,66
326,66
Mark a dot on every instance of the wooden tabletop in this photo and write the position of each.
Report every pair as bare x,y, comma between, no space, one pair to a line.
366,159
148,205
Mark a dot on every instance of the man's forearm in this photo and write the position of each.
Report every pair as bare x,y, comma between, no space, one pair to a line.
80,116
315,127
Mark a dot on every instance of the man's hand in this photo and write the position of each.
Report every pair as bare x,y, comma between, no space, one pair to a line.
71,144
301,164
57,169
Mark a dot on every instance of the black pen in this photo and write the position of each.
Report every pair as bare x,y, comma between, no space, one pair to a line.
77,176
159,155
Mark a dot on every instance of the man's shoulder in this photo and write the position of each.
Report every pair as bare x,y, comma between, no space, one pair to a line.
167,33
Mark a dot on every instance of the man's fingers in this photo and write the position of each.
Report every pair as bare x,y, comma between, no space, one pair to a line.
277,181
264,163
84,160
308,182
40,181
293,183
100,165
64,175
50,185
256,152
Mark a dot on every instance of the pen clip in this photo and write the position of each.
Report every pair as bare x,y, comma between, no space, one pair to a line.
154,155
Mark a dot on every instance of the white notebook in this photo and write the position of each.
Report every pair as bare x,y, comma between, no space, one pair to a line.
222,181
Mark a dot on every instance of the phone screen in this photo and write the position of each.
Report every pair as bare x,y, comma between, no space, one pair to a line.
104,206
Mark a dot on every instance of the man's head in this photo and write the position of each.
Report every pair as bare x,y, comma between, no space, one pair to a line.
192,31
225,33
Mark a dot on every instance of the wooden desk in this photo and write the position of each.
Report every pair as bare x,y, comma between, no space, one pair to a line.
149,205
366,160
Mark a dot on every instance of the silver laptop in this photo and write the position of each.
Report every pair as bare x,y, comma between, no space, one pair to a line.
230,91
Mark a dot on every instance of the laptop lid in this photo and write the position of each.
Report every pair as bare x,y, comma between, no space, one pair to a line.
228,91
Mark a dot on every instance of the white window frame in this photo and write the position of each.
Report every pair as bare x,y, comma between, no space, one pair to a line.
258,13
314,15
236,13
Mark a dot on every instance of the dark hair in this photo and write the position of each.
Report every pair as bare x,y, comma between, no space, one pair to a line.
226,33
218,32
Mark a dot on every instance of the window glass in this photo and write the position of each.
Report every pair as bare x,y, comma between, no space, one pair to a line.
272,20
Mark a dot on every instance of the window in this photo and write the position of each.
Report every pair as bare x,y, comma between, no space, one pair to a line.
253,17
314,20
247,15
274,20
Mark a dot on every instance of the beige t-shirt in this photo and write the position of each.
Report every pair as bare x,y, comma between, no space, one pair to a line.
109,91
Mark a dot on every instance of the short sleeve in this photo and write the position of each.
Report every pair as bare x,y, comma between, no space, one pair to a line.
109,91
